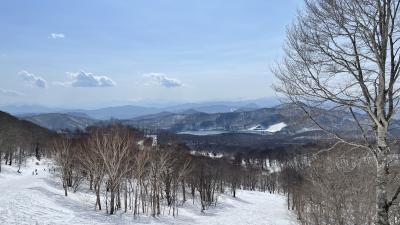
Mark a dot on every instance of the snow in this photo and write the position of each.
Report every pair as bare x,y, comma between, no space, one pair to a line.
208,154
271,129
276,127
204,132
39,200
257,127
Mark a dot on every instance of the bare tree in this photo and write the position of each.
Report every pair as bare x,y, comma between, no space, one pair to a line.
94,165
141,161
62,147
115,145
347,52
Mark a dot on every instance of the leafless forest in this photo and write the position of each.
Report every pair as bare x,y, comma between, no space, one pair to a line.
128,171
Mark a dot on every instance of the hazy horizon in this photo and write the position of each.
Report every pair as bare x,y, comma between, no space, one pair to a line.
261,102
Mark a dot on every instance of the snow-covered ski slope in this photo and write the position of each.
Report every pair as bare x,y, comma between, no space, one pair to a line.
39,200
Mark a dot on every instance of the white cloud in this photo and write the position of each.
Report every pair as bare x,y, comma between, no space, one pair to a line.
33,80
84,79
10,93
56,36
162,80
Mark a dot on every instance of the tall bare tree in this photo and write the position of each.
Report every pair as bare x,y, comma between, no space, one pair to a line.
62,147
91,160
347,52
115,146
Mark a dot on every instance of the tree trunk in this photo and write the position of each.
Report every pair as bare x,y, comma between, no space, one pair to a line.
19,159
90,181
107,201
135,209
97,189
183,191
37,152
65,187
69,178
382,176
119,198
153,211
158,202
112,198
10,160
192,187
168,192
382,206
6,158
126,197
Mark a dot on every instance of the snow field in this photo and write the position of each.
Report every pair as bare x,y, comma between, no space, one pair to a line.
28,199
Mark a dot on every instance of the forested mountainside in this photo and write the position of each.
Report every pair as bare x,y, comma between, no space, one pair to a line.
14,130
61,121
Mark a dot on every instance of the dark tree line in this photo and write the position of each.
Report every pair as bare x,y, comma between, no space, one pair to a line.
20,139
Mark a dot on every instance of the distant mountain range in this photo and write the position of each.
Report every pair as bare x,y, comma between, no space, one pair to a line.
285,119
240,130
132,111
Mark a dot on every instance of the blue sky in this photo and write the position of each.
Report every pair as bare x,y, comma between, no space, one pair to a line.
109,52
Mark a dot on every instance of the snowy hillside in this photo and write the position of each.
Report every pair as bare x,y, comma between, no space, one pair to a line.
276,127
271,129
28,198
